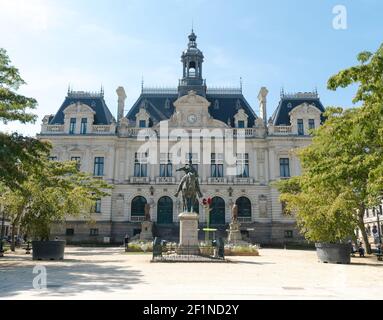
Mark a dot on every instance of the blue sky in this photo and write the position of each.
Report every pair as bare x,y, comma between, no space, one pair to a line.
275,43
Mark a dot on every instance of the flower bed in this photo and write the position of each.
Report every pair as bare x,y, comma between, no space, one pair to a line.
241,250
140,246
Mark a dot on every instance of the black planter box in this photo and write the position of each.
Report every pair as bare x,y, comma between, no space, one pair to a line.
48,250
334,252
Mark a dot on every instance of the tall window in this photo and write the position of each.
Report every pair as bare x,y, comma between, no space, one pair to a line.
244,207
301,130
138,206
141,164
83,125
98,166
311,124
142,124
97,206
216,166
93,232
241,124
284,167
242,165
78,160
72,126
166,166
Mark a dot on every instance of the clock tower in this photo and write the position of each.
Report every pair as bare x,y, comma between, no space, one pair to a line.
192,59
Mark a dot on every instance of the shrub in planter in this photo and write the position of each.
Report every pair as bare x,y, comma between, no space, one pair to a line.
49,196
325,217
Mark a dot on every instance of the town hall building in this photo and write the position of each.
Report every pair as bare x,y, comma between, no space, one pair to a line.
237,153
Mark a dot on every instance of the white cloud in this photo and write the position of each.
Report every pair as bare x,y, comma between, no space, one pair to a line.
25,14
30,15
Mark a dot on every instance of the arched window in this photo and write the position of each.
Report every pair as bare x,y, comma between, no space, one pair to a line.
217,213
138,206
192,69
165,211
244,207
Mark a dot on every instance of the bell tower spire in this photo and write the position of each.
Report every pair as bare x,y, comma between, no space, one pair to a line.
192,59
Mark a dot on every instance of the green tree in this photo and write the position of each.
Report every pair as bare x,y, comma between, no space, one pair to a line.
18,154
51,195
342,168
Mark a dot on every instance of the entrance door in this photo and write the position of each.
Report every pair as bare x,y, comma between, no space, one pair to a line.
165,211
217,214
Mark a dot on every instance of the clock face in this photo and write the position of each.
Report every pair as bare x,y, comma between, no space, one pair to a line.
192,118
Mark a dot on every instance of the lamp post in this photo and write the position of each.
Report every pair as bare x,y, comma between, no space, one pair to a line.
378,221
206,204
2,235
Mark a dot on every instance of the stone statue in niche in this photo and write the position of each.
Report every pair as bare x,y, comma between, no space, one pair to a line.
263,206
147,212
234,213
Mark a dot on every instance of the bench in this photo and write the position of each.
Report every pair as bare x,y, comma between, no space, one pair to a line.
379,256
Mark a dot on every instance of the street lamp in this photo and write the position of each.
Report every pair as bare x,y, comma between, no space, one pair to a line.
2,235
378,220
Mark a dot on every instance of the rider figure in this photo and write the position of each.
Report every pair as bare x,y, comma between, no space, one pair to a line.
189,171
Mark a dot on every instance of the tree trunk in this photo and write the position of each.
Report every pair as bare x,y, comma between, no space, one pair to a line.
13,244
362,228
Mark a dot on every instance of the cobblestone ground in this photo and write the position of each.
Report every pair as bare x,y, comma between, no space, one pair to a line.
109,273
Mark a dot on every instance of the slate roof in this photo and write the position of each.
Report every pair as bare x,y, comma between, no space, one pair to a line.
93,100
227,106
290,101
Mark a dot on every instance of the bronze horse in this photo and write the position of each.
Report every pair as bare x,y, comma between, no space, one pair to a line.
189,187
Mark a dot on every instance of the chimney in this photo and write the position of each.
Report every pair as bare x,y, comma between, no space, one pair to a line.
121,103
262,104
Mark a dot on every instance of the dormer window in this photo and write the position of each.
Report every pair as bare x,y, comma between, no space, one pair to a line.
72,126
167,104
216,104
142,119
311,124
289,105
84,122
301,130
241,119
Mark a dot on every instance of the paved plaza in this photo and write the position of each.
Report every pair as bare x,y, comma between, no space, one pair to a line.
109,273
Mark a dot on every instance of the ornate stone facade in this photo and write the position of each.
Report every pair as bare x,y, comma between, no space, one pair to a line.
237,154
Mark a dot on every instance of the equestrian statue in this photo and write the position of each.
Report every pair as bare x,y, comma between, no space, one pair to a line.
189,188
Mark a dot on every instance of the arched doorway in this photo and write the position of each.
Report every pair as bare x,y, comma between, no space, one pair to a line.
138,207
165,211
244,207
217,213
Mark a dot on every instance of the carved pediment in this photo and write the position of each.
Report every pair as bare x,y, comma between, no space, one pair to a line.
78,107
191,99
305,108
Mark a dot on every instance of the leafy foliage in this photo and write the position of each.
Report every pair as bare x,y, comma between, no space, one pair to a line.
51,195
343,167
19,155
13,106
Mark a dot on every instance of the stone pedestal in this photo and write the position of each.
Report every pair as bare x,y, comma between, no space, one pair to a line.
146,231
235,233
188,234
